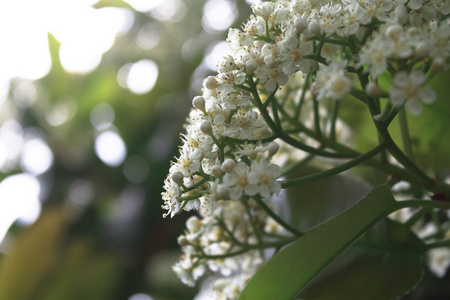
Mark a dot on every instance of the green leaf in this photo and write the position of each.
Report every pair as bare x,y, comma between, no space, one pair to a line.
292,268
384,264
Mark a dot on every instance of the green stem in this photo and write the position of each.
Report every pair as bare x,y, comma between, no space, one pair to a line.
194,186
440,244
275,113
230,234
330,172
298,164
267,245
385,113
417,216
255,229
423,204
276,218
406,139
302,97
317,119
386,137
285,137
334,114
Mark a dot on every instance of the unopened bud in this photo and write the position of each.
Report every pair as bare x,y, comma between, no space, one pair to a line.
210,83
273,148
394,31
251,66
206,127
216,171
437,65
300,25
313,65
373,89
314,27
223,192
177,177
401,14
228,165
422,50
182,241
199,102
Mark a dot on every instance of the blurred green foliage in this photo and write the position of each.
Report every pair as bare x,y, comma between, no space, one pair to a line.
118,244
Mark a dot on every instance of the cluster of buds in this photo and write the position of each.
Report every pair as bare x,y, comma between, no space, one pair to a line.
287,52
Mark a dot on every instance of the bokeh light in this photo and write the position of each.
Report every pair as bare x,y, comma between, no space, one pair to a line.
218,15
110,148
142,76
19,198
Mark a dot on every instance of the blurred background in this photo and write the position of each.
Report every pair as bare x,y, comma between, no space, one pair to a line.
93,96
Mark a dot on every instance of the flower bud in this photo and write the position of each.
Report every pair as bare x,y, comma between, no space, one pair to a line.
273,148
401,14
177,177
300,25
182,241
394,31
373,89
228,165
206,127
210,83
313,65
251,66
437,65
216,171
422,50
314,27
223,192
199,103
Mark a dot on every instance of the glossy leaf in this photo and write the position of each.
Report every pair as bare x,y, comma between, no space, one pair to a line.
291,269
385,264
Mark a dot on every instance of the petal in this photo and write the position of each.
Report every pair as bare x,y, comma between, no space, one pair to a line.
251,190
274,171
417,77
396,96
414,107
427,95
270,85
235,193
401,79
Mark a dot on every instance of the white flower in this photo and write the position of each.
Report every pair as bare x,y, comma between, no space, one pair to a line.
439,261
375,55
170,196
227,81
238,39
354,15
263,175
239,183
188,271
188,162
263,10
331,81
272,78
293,52
410,88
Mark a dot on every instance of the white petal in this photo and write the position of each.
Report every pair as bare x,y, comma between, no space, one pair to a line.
427,95
401,79
396,96
414,107
417,77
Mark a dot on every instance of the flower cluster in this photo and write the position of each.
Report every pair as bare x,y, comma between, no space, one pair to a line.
287,53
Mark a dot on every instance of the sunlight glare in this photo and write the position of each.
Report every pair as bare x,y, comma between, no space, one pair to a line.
142,76
218,15
110,148
36,157
19,199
